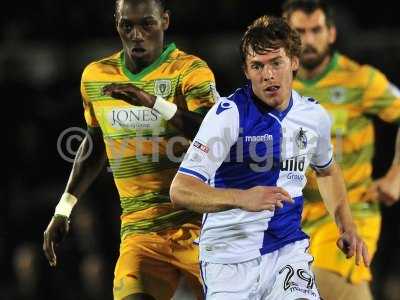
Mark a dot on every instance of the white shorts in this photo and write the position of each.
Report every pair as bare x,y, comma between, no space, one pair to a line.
284,274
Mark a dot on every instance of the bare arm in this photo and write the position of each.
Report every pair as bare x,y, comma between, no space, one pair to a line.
387,188
396,159
193,194
333,191
88,163
187,122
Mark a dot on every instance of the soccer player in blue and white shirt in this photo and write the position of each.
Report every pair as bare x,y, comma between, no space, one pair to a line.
245,170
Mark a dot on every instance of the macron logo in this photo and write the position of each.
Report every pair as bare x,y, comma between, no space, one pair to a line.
223,106
259,138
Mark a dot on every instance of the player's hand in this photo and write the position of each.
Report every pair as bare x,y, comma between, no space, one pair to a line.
262,198
129,93
387,188
54,234
352,244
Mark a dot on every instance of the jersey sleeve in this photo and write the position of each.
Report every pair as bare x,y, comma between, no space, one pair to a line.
323,155
212,144
198,87
89,114
381,97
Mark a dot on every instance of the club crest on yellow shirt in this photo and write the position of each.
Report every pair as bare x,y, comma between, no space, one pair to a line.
338,95
162,87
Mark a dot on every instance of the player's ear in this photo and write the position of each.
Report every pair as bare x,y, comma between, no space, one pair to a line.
116,19
244,67
165,19
295,63
332,34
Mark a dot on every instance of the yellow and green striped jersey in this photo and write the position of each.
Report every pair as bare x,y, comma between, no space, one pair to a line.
142,148
351,93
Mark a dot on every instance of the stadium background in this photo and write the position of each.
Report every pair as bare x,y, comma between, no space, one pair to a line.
45,46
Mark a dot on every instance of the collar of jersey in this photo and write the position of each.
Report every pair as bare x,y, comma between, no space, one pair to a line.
138,76
269,110
332,64
282,114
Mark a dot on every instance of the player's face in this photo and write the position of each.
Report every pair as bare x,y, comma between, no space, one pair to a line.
316,36
271,76
141,25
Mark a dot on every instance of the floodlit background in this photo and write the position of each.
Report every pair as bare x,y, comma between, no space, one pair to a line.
44,46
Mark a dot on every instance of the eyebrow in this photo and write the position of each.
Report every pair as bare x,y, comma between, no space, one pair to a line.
125,18
274,58
255,61
277,57
303,28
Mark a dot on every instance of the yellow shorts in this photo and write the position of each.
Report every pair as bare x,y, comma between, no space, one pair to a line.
329,257
153,263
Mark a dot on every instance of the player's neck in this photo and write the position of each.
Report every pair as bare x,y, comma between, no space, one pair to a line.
310,74
138,65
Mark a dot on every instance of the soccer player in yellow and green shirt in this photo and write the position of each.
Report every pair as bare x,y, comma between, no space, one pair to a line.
141,105
351,93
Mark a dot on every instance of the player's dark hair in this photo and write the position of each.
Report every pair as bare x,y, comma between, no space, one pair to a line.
161,3
308,7
268,32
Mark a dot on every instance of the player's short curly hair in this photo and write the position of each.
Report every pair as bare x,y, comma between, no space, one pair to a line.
309,6
268,32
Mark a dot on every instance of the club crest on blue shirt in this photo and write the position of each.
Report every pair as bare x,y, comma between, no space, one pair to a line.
301,139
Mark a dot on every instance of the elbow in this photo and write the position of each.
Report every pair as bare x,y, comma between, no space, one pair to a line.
175,194
332,170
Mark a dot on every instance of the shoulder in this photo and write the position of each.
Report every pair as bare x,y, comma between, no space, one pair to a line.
239,101
364,72
312,107
305,102
224,106
345,63
108,65
224,113
187,62
240,96
348,64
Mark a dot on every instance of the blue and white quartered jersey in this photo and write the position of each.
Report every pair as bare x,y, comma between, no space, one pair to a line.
241,144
